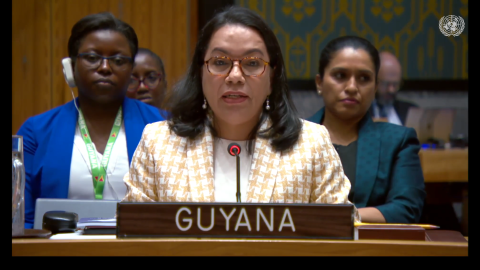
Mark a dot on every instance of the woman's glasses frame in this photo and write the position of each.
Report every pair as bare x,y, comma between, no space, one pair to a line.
112,64
239,64
158,74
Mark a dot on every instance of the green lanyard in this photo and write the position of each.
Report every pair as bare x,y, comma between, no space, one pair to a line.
99,171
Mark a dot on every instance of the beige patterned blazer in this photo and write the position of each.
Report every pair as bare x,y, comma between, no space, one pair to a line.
169,168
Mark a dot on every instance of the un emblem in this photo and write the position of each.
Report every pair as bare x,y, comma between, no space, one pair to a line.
451,25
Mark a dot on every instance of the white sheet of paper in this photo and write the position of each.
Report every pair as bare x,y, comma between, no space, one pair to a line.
79,235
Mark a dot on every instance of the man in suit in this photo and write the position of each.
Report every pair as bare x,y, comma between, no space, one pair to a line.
386,104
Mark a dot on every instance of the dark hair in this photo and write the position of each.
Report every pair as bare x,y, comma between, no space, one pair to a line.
155,57
185,101
348,42
100,21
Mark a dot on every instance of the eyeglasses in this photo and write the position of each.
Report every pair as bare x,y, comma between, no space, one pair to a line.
386,84
93,60
250,66
151,81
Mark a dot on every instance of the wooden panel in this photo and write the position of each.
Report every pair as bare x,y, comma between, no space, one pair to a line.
441,165
193,28
162,26
138,15
209,247
31,70
60,35
42,57
162,21
111,6
181,22
22,27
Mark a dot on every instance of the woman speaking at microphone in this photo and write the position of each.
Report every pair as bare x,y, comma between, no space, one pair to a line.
235,90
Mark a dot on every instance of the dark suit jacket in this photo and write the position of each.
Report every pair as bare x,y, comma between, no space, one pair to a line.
401,108
388,172
48,145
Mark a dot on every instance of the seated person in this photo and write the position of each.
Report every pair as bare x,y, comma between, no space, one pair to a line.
386,104
380,159
235,91
82,150
148,82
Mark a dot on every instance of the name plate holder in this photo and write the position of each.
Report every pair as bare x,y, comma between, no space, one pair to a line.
235,220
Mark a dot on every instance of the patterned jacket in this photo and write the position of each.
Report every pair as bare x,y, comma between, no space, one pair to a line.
170,168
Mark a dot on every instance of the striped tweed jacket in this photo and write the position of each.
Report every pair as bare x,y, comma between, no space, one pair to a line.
169,168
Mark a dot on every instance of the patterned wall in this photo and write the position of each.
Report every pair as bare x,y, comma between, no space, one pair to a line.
409,29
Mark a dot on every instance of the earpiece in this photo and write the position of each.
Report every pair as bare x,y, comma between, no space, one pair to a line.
68,71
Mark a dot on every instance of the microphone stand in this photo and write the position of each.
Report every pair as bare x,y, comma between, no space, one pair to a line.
238,177
234,150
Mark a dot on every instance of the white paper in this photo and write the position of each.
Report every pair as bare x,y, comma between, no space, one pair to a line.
96,222
79,235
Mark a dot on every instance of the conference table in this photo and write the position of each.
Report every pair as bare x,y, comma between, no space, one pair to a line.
233,247
439,165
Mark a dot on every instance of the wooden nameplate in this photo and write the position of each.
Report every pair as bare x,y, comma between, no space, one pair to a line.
235,220
444,236
389,232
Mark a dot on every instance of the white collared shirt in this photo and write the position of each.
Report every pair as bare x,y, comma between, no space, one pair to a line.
81,183
226,171
392,115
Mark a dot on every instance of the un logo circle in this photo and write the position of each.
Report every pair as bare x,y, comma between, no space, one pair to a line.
451,25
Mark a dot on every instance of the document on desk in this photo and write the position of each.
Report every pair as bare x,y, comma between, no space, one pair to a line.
79,235
93,221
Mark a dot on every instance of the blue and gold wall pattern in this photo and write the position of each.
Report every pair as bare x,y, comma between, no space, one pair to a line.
409,29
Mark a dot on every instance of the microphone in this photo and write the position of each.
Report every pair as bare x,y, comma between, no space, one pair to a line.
234,150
